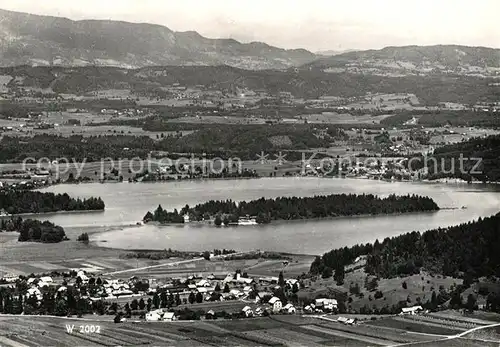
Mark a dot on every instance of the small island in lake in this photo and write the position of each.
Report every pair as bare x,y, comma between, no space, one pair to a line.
292,208
34,230
14,201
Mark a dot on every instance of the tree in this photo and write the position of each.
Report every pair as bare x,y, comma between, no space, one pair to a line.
206,255
149,304
163,299
327,272
83,238
281,280
156,301
191,298
471,303
134,305
339,274
61,308
434,300
226,288
341,306
199,298
178,299
128,311
218,220
217,287
404,285
456,300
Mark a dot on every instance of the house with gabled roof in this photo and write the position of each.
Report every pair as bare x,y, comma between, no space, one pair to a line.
276,303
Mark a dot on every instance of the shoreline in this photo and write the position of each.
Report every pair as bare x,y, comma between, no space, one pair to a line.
286,221
34,214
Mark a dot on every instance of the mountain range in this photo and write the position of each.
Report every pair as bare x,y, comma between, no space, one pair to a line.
44,40
414,59
34,40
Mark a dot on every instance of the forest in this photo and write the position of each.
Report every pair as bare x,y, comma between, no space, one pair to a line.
468,251
34,230
305,83
486,150
441,118
291,208
27,201
223,140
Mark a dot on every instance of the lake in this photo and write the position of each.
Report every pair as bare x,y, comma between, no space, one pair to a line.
127,203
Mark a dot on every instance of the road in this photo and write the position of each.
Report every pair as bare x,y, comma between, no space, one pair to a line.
452,337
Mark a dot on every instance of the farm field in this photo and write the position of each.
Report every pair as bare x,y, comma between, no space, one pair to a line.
345,118
128,168
218,120
415,326
489,334
20,331
25,252
459,342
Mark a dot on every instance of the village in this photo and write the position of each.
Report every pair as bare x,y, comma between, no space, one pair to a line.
230,296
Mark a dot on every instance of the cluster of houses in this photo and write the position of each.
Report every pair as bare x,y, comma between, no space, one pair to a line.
255,293
107,290
273,305
411,310
322,305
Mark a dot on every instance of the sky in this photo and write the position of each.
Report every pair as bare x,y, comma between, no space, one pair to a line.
315,25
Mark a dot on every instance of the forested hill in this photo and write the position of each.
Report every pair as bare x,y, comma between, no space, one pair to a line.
26,201
243,141
291,208
467,250
486,149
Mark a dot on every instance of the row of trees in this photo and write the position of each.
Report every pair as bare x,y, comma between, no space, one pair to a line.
163,216
225,173
468,250
15,201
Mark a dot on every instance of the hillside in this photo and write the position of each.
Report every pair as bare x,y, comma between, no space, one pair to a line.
483,165
465,250
43,40
430,90
414,60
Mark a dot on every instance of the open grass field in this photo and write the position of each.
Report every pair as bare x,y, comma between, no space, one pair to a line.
459,134
20,331
415,326
218,120
342,118
419,288
102,130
